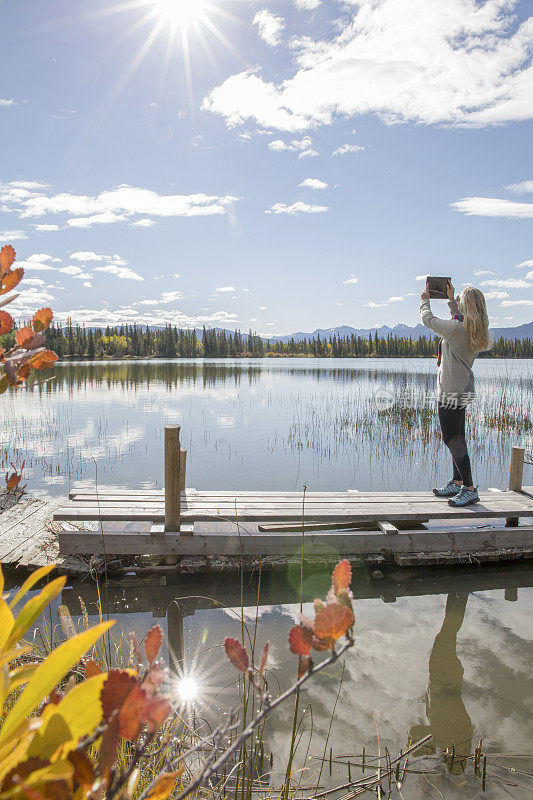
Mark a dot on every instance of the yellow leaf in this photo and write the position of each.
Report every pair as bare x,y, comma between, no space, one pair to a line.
31,610
17,754
6,623
77,714
16,652
49,673
30,581
21,675
164,785
59,771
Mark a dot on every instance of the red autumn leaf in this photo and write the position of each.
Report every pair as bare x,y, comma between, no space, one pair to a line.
10,280
300,640
24,337
91,668
7,256
303,665
157,710
332,622
83,768
237,654
131,716
342,575
42,319
43,360
13,480
23,372
264,657
116,688
6,322
152,643
108,749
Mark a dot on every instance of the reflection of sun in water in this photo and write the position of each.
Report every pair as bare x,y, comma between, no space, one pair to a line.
187,689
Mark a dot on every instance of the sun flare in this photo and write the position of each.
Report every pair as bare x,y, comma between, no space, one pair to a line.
180,13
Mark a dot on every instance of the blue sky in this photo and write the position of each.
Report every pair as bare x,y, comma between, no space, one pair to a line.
275,165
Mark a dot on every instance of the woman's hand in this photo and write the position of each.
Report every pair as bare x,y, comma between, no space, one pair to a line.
425,293
451,291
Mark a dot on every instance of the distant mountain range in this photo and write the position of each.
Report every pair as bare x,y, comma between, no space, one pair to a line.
400,331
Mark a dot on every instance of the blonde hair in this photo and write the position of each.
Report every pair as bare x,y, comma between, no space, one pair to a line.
476,320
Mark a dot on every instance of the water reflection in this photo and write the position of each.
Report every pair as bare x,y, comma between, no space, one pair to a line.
449,721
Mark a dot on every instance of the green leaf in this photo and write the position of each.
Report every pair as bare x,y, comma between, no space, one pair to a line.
30,581
33,608
49,673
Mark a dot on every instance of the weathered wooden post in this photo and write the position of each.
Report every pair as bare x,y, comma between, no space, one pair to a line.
516,471
172,483
183,468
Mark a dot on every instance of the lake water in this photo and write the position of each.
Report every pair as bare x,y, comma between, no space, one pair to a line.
446,651
259,424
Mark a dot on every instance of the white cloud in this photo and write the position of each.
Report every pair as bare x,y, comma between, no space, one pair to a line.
75,272
313,183
44,227
353,279
33,282
462,63
479,272
224,289
525,264
115,205
308,5
510,283
393,299
525,187
295,208
347,148
88,285
421,278
129,314
13,235
124,273
145,222
517,303
269,26
87,255
5,102
304,147
171,297
176,275
493,207
494,294
262,308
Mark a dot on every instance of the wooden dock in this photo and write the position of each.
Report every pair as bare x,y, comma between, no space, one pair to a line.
144,527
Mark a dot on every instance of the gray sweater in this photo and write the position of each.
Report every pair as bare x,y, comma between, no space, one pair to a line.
455,380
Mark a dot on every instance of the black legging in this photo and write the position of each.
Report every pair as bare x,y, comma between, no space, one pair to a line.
452,423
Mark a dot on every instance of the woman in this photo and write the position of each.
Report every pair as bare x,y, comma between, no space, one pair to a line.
463,336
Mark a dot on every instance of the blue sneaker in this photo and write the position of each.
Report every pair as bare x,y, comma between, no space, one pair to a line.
466,497
450,490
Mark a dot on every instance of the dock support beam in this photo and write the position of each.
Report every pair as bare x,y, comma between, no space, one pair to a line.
172,482
516,471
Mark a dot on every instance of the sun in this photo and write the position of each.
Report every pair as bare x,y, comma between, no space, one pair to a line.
181,13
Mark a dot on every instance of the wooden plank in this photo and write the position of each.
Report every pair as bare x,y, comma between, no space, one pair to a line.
387,527
457,540
516,471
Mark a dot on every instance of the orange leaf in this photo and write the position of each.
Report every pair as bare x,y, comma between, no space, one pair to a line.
152,643
23,372
342,575
115,690
42,319
24,337
43,360
157,711
237,654
164,785
12,481
262,663
303,665
7,256
91,668
6,322
83,768
332,622
108,749
131,715
300,640
11,279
